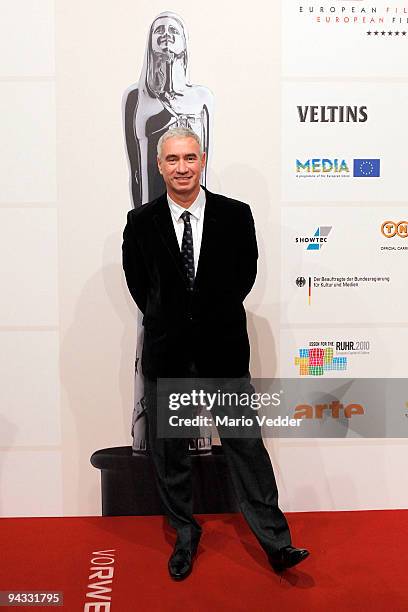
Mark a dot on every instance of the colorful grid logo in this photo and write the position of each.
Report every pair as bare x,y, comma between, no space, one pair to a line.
317,361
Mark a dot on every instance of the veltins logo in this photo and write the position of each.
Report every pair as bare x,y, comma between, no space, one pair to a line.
389,229
332,114
318,361
319,238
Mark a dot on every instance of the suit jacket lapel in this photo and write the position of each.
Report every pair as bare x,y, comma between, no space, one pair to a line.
165,227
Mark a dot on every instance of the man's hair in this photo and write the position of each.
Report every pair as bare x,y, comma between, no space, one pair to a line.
178,132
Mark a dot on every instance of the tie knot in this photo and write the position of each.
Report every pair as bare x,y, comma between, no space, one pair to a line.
186,216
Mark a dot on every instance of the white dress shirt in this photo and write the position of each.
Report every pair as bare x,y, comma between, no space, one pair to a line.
196,211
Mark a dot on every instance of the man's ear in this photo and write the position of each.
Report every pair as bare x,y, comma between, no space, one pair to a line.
203,159
159,165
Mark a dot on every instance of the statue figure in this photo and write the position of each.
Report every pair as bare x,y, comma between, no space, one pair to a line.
163,98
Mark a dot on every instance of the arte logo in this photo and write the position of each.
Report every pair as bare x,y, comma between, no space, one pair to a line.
334,410
389,229
318,361
332,114
319,238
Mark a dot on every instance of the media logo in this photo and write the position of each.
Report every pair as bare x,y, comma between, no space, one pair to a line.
335,168
300,281
332,114
366,168
389,229
322,166
319,238
318,361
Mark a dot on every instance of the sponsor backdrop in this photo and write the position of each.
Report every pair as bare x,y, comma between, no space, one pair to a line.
303,109
342,266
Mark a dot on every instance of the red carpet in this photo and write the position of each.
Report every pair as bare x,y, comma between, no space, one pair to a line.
358,562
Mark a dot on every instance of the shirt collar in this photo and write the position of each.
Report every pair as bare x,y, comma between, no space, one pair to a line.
195,209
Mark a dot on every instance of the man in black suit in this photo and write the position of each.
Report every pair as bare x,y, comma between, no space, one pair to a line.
190,259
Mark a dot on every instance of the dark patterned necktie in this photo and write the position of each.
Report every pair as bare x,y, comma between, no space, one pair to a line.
187,251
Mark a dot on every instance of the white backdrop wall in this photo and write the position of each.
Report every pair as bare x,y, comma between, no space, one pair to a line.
67,323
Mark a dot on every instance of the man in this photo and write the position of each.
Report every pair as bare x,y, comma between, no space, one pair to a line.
190,259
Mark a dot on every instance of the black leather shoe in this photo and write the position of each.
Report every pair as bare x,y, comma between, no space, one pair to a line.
181,563
287,557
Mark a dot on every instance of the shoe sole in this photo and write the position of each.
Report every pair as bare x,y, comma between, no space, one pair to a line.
279,567
180,578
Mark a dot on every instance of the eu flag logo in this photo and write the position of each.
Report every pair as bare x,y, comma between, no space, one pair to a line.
366,167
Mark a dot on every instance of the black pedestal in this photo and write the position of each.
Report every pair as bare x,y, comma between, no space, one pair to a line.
129,487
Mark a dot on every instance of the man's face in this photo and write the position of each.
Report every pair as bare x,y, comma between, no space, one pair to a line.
181,166
167,36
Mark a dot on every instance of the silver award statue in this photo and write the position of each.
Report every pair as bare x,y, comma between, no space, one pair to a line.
163,98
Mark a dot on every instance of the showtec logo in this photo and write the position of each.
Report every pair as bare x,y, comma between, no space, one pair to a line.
315,242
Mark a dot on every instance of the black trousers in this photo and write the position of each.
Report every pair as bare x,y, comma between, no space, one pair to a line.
251,472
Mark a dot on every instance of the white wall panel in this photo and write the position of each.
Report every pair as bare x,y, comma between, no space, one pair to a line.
353,270
29,389
26,38
27,127
28,267
325,38
30,483
375,134
99,49
338,475
371,352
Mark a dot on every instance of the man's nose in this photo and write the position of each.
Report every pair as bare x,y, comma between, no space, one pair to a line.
182,167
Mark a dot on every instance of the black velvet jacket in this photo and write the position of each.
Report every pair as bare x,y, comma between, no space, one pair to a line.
205,326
